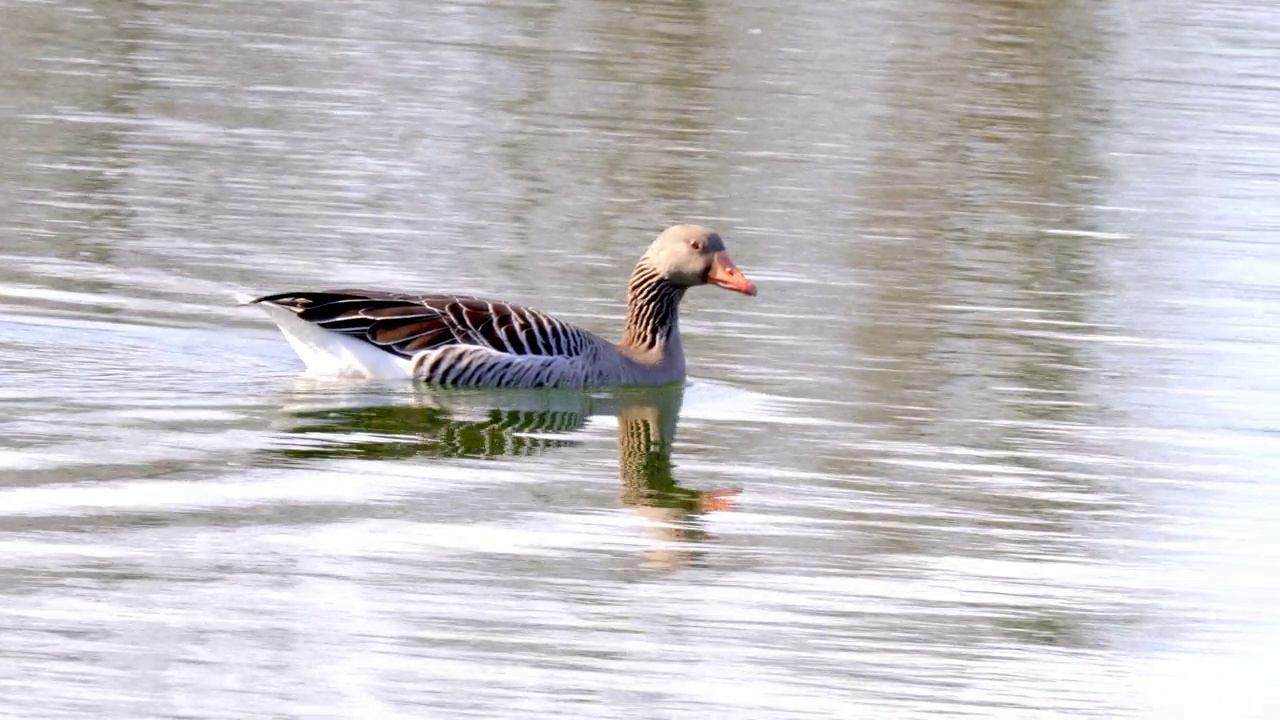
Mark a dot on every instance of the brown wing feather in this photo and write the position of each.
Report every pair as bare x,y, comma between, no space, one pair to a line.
406,324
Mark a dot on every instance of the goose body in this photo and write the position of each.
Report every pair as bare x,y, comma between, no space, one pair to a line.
463,341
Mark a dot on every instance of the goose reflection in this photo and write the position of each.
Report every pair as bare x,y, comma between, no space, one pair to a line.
423,427
398,423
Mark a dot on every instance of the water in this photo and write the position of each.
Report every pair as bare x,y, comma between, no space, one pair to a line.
997,438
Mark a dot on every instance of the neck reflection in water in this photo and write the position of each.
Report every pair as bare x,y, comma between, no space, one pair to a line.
380,422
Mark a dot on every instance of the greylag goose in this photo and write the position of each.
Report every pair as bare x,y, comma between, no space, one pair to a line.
465,341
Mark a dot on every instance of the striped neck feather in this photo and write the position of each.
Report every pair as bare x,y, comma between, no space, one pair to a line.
652,306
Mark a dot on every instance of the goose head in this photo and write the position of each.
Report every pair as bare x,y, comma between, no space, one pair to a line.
690,255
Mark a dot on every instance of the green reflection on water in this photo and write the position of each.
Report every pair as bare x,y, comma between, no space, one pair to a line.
432,423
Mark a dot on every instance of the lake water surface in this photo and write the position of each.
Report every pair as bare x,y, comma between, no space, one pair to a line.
998,438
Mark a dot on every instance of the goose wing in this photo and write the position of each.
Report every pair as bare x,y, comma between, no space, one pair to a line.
406,325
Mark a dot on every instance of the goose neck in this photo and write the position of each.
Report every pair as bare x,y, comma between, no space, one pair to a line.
653,305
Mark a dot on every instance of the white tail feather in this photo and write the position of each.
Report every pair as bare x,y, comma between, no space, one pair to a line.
329,353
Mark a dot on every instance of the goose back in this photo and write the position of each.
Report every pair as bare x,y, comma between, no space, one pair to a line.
457,340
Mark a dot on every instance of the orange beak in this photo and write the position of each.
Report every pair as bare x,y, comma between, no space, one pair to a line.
725,274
